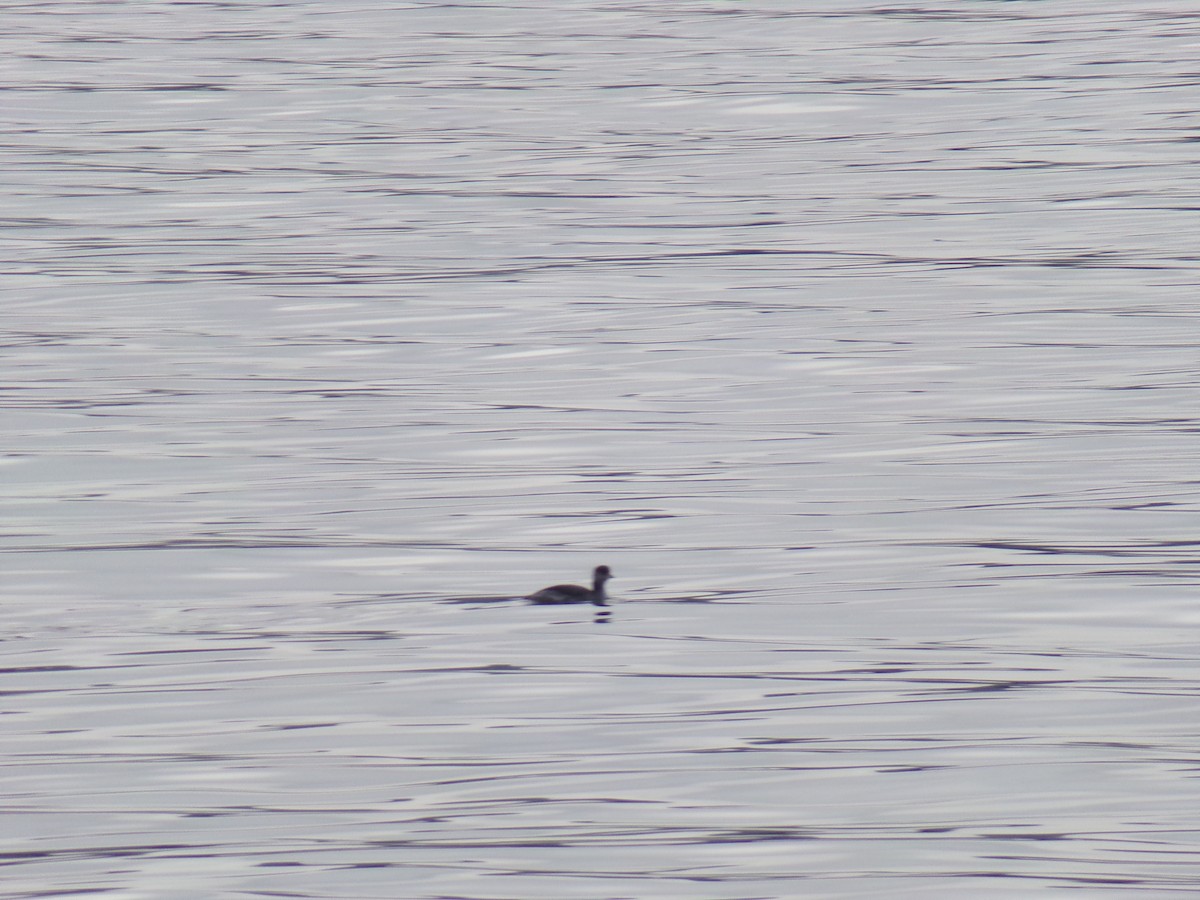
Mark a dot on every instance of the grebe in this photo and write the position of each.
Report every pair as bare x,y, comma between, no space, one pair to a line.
573,593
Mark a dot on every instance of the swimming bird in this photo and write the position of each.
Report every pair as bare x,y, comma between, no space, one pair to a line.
574,593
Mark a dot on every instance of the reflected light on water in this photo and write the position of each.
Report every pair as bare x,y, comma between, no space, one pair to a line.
856,340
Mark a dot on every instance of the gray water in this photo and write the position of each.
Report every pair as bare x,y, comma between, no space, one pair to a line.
858,338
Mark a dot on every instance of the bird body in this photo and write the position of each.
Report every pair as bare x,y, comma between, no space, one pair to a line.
574,593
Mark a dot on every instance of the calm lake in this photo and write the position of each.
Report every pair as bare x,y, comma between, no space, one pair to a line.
858,338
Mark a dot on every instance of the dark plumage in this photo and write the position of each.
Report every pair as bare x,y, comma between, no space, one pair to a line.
574,593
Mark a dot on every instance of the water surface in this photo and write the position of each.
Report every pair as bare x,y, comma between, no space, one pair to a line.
857,339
